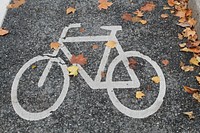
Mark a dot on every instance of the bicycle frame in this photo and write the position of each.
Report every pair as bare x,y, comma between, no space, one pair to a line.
95,84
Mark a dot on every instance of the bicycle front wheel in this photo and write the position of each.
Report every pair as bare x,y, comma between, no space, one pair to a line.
136,113
29,115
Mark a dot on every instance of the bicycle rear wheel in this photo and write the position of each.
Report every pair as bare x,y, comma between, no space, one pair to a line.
14,91
120,106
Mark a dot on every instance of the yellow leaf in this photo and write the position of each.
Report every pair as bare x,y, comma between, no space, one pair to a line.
143,21
139,94
198,79
55,45
194,61
70,10
73,70
182,45
111,44
187,68
196,96
33,66
136,19
189,114
16,3
156,79
3,32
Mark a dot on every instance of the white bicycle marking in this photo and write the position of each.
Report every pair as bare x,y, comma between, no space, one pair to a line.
94,84
3,10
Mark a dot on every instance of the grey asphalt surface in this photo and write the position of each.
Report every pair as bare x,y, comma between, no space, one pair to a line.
36,24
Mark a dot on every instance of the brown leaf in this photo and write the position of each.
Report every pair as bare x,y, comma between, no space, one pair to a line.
166,7
187,68
171,2
138,13
127,17
55,45
143,22
193,50
156,79
190,90
139,94
192,21
165,62
196,96
189,114
111,44
70,10
79,59
103,74
3,32
104,4
95,46
184,24
82,30
181,13
136,19
180,36
132,63
198,79
182,45
194,61
164,15
16,3
148,7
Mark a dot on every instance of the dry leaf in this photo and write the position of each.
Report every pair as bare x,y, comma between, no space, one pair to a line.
181,13
104,4
132,63
190,90
70,10
172,11
79,59
16,3
95,46
182,20
55,45
127,17
164,15
189,114
193,50
187,32
136,19
3,32
184,24
73,70
82,30
182,45
138,13
194,61
148,7
143,21
196,96
165,62
103,74
180,36
111,44
139,94
156,79
192,21
33,66
166,7
187,68
198,79
171,2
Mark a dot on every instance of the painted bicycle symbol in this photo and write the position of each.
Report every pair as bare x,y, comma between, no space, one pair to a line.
109,84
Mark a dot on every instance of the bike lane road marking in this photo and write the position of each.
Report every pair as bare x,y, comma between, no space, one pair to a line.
3,10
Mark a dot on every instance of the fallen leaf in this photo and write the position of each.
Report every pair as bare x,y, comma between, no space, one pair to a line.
188,32
136,19
3,32
55,45
139,94
172,11
196,96
164,15
127,17
95,46
184,24
196,43
198,79
79,59
188,13
193,50
82,30
138,13
132,63
190,90
181,13
103,74
182,45
16,3
148,7
192,21
156,79
143,21
111,44
166,7
70,10
189,114
165,62
171,2
104,4
33,66
73,70
182,20
194,61
187,68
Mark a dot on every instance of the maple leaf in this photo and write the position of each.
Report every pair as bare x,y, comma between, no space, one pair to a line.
104,4
111,44
73,70
3,32
164,15
138,13
139,94
79,59
190,90
16,3
171,2
156,79
196,96
189,114
127,17
55,45
165,62
181,13
70,10
148,7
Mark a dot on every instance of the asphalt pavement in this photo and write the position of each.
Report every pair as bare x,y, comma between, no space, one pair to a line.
37,23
